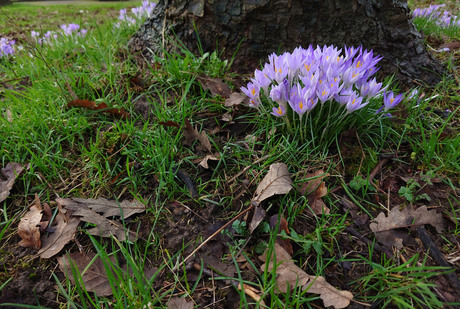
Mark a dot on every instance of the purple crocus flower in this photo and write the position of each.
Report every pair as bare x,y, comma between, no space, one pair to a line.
279,93
371,88
261,79
390,101
280,111
251,91
6,47
355,102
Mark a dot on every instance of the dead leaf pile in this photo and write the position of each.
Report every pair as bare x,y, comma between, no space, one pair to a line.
289,276
387,229
71,212
315,189
88,210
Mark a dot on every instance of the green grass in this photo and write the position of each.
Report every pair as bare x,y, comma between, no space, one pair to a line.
76,152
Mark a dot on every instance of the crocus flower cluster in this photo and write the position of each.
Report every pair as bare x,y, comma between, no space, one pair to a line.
68,30
139,14
71,29
6,47
443,19
318,87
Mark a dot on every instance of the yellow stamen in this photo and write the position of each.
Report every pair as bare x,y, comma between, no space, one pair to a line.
307,67
301,105
253,91
354,101
279,111
359,64
324,93
391,100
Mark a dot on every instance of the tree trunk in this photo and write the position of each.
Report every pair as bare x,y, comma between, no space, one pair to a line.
257,28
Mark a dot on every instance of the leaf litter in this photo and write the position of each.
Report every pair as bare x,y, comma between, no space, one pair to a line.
88,210
386,227
290,276
315,189
93,273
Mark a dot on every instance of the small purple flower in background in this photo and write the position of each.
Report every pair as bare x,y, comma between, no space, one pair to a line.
390,101
141,12
70,28
412,94
252,91
261,79
443,19
6,47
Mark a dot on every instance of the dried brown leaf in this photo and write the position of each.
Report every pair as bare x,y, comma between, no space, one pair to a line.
94,278
215,85
118,112
64,231
282,226
259,215
315,189
277,181
179,303
192,134
88,210
290,275
204,162
385,228
236,98
9,173
29,227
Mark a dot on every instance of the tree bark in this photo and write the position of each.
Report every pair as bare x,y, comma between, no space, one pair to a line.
256,28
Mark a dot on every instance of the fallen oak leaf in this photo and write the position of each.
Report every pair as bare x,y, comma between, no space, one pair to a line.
315,189
29,227
277,181
88,210
386,228
94,277
204,161
215,85
289,276
236,98
192,134
9,173
64,231
118,112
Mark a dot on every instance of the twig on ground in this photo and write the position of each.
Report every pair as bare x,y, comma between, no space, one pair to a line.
377,247
437,256
211,237
377,169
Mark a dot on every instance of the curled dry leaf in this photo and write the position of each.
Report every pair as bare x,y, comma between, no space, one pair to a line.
179,303
259,215
289,275
192,134
282,226
277,181
204,162
117,112
236,98
215,85
29,227
89,209
385,228
8,175
94,277
64,231
315,189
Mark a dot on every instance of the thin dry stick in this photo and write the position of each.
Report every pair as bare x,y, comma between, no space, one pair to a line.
377,169
247,167
211,237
